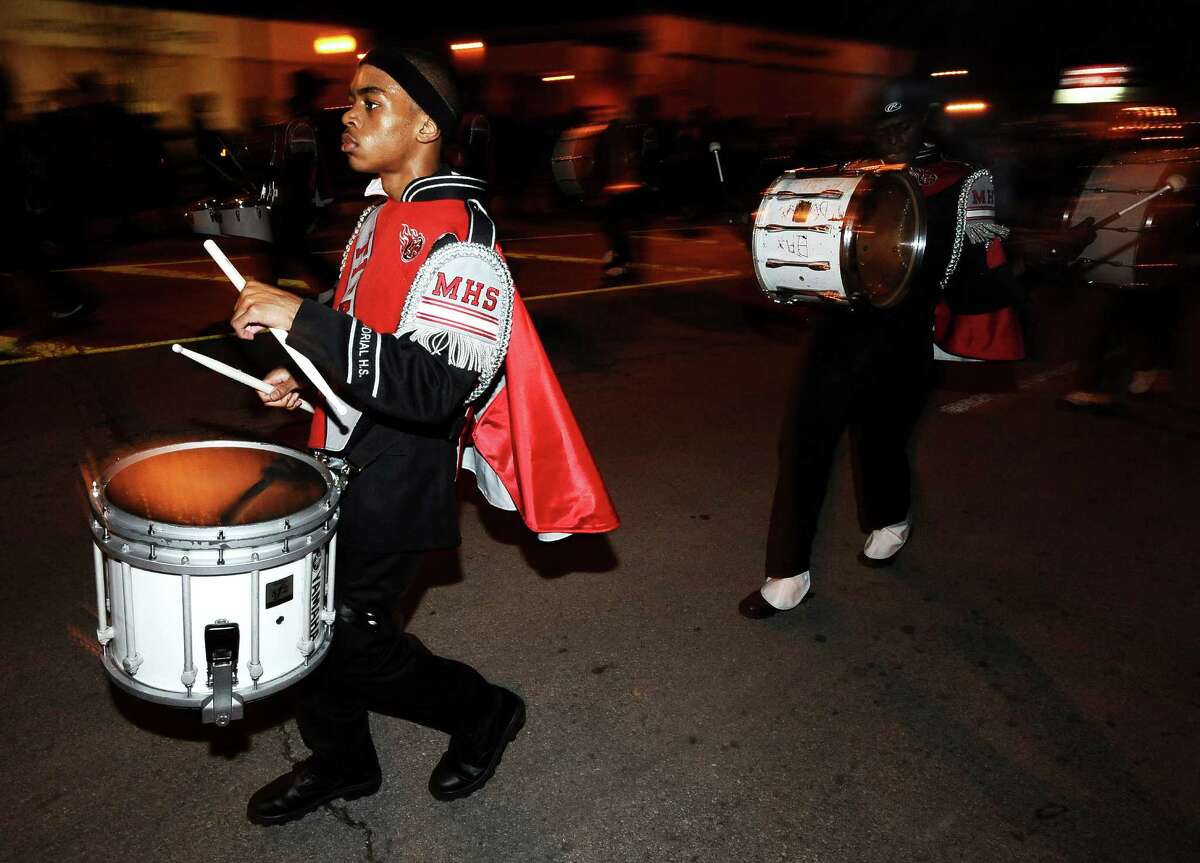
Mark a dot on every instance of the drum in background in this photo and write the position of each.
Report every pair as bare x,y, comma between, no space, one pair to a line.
574,161
848,238
1144,248
214,572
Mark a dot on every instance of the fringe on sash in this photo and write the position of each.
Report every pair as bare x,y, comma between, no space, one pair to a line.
462,350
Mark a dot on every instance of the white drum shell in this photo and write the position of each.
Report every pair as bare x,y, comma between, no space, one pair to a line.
805,261
152,576
573,162
1114,258
147,620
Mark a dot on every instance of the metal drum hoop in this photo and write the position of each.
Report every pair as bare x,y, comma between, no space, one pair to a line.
206,550
851,278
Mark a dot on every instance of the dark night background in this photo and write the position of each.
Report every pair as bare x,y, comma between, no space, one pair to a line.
1017,45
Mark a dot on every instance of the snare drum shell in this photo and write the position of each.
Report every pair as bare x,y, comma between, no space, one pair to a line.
147,619
163,582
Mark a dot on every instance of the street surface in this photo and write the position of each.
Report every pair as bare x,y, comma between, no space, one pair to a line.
1023,685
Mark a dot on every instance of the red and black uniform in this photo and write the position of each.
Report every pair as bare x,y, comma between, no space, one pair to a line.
869,370
404,431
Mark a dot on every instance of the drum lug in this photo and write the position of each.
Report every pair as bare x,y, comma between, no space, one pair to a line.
221,645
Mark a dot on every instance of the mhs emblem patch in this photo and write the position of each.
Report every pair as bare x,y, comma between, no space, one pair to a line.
411,243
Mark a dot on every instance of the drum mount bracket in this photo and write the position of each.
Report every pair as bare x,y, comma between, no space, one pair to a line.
221,646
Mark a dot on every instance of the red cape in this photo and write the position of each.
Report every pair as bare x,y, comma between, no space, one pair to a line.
528,437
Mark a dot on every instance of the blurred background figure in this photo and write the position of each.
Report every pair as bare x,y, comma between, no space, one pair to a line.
299,186
629,155
30,212
1135,272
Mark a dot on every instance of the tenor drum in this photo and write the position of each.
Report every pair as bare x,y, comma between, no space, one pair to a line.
848,239
214,572
1144,248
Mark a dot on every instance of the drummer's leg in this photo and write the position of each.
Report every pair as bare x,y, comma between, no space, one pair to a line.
814,419
382,667
885,419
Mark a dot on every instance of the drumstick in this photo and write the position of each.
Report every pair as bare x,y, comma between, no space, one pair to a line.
1175,183
230,372
306,366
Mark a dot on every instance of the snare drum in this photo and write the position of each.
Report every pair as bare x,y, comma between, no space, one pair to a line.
214,572
850,238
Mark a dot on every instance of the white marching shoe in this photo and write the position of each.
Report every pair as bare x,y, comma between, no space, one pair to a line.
885,543
776,595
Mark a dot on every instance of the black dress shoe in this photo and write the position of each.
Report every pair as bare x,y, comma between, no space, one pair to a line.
458,774
307,787
755,607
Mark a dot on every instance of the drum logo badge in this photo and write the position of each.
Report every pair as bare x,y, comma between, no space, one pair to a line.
411,243
892,107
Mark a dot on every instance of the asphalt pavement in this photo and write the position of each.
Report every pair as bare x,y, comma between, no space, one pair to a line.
1023,685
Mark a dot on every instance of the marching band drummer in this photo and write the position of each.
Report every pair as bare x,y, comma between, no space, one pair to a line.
870,368
412,353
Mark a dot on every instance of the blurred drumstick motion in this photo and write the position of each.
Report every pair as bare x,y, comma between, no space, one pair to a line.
232,373
306,366
1175,183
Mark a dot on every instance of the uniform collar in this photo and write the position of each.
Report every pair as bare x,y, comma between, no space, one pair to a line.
445,185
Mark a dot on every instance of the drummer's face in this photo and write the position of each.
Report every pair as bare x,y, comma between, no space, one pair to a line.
384,126
897,138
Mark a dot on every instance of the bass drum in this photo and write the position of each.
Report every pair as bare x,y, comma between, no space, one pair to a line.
849,239
574,161
1145,248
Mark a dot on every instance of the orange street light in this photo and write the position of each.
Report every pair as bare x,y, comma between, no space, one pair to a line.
342,44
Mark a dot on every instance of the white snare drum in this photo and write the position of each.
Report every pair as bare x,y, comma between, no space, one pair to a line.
1145,247
214,572
846,238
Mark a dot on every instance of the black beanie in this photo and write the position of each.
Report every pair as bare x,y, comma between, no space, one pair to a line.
439,102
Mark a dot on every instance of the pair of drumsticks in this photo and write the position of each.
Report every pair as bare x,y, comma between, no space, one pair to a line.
305,364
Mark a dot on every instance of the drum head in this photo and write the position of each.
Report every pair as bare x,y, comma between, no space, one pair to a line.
215,486
884,238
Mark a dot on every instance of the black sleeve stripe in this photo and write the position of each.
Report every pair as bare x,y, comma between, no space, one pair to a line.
482,229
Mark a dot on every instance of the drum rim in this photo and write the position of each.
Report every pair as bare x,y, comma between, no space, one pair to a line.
850,271
125,524
174,698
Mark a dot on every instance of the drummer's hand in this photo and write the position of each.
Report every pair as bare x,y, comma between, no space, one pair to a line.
261,307
284,395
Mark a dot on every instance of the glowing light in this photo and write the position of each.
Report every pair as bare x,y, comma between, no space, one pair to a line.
466,46
950,73
966,107
343,44
551,78
361,56
1088,95
1096,70
1150,111
1163,138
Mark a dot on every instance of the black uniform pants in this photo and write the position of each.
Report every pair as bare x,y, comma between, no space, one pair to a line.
373,664
867,375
